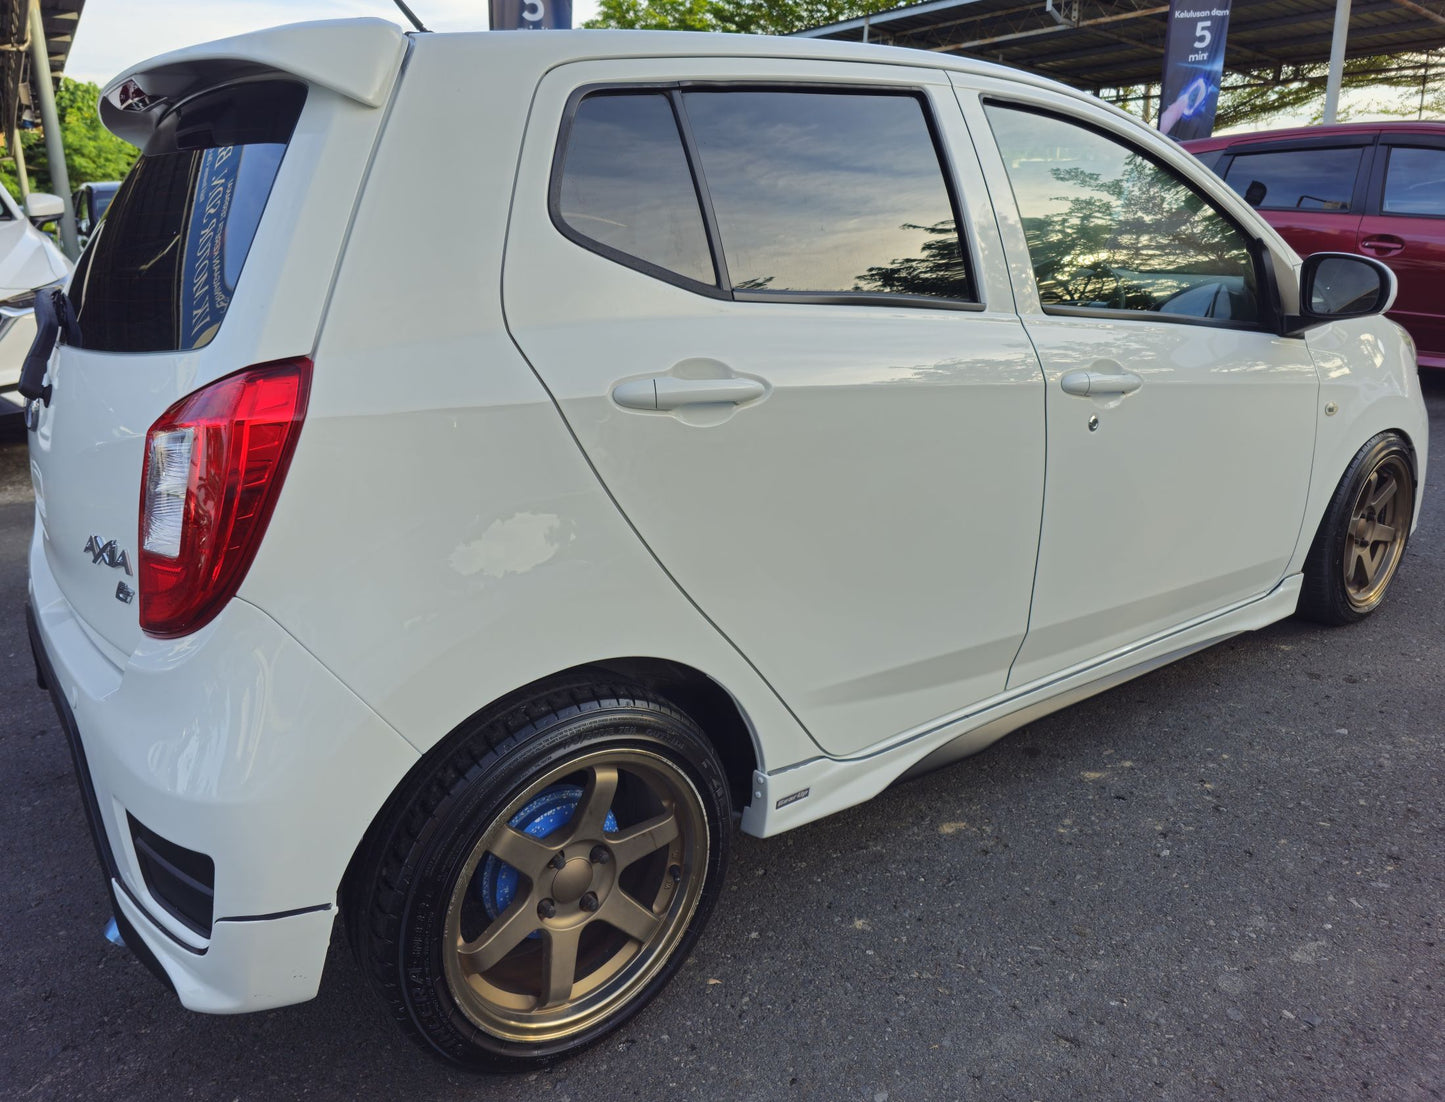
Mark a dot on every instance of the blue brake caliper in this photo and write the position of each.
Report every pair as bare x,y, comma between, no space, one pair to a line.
550,810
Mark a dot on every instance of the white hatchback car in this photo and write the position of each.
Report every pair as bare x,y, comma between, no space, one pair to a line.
793,416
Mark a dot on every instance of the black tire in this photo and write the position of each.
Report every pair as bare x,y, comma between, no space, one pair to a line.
424,883
1338,585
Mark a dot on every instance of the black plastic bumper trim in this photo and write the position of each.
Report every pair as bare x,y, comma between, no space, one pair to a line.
277,914
133,940
189,899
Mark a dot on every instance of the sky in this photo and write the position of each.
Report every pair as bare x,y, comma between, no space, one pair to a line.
114,34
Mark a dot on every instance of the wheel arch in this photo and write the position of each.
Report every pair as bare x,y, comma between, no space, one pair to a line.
1414,455
711,706
1338,440
702,698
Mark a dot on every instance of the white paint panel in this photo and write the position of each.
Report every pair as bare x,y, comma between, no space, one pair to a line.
865,532
1188,494
1187,497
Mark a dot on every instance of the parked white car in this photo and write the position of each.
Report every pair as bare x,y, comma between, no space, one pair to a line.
29,263
791,416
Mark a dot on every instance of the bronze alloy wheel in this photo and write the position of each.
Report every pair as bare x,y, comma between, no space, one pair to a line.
543,873
1375,536
1362,535
552,925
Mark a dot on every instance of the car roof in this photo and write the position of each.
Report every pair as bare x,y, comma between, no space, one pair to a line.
1225,141
570,45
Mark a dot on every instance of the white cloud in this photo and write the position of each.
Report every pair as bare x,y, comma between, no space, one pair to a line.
115,34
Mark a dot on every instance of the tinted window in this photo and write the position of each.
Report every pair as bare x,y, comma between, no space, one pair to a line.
1107,228
1415,182
828,193
159,272
1296,179
1209,158
626,184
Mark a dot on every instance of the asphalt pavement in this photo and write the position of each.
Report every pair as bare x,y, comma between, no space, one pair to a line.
1224,880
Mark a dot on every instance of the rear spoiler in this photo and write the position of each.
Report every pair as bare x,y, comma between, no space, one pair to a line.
356,58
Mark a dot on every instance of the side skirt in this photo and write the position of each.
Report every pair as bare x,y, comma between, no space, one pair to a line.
801,793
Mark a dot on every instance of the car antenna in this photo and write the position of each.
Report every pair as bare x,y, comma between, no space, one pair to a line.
411,15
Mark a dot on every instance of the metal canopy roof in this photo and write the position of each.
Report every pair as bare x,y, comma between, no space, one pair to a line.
1096,44
61,17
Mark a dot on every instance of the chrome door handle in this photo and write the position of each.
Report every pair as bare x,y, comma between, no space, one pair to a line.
667,392
1091,384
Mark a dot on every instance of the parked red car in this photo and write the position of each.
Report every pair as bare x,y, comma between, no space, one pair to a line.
1372,188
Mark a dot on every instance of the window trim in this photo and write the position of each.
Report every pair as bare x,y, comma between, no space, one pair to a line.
617,256
1289,145
723,288
1266,291
1358,189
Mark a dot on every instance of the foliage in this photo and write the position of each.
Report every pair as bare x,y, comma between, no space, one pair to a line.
1130,241
1257,98
940,271
656,15
1295,86
91,151
733,16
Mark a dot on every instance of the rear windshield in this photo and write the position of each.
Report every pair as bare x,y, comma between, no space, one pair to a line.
160,272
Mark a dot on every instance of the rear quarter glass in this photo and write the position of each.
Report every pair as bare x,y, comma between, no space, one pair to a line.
160,272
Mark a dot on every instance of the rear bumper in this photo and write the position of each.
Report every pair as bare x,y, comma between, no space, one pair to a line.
45,677
234,743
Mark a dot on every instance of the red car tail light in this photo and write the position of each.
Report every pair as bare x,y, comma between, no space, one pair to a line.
214,465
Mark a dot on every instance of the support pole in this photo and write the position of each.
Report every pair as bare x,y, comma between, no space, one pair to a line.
12,140
1337,60
42,88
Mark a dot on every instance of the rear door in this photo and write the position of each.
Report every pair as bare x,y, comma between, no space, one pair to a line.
768,298
1404,226
1311,190
216,254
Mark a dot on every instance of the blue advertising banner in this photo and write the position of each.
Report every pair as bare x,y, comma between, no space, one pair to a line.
1193,65
531,15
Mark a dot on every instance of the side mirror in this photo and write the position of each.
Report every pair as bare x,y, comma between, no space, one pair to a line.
41,207
1341,285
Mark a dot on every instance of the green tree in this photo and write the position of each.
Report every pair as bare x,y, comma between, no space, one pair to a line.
1406,85
735,16
91,151
939,270
657,15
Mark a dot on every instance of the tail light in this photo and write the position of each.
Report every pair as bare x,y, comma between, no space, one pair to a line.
213,469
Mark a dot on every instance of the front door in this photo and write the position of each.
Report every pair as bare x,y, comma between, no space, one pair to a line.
1180,431
768,299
